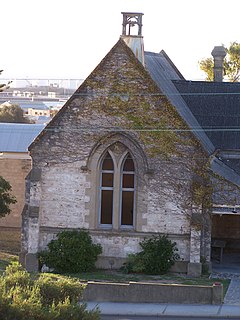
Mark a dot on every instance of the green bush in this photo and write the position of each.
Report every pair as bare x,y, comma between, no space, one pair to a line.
15,275
72,251
157,256
57,288
49,297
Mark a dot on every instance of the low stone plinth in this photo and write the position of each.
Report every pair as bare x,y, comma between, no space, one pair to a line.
144,292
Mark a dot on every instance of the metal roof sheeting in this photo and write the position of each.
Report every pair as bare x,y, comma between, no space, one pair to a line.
162,72
16,137
216,106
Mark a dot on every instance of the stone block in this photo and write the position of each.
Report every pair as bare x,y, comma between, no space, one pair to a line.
33,212
179,267
35,174
31,262
217,293
194,269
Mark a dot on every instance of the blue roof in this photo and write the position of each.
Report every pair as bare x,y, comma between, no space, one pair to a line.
16,137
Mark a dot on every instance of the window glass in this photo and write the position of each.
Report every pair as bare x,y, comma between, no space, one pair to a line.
127,190
106,206
128,181
128,165
107,179
107,162
106,188
127,208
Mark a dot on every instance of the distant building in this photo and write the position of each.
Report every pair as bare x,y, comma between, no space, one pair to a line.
44,111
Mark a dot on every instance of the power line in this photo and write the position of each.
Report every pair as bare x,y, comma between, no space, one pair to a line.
98,129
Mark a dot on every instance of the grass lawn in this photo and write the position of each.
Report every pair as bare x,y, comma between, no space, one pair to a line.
5,259
118,276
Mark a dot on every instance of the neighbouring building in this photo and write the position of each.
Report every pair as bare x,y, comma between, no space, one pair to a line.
15,164
136,151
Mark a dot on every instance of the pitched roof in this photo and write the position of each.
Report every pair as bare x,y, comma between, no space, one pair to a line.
16,137
216,106
162,72
194,107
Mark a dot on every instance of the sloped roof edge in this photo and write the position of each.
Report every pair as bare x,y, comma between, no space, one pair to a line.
218,167
167,87
172,64
83,85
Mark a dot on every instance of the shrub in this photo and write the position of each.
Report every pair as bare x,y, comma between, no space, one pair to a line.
72,251
15,275
58,288
157,256
50,297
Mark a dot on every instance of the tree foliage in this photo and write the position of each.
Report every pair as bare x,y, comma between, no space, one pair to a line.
6,199
13,114
4,86
231,64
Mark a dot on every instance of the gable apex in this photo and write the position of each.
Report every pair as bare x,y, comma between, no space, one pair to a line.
85,90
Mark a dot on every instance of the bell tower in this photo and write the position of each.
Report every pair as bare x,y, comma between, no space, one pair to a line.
131,19
132,33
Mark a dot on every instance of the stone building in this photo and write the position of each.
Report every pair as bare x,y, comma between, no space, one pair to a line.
15,164
129,156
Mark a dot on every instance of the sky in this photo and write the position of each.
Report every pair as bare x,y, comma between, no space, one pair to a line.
56,39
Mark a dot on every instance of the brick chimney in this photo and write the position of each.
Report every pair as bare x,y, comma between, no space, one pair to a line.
218,53
132,21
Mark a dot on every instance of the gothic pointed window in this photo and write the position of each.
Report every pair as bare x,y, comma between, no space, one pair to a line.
127,191
116,204
106,190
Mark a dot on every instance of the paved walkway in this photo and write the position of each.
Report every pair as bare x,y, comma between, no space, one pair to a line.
161,309
232,296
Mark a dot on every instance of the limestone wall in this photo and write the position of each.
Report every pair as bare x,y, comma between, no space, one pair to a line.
98,117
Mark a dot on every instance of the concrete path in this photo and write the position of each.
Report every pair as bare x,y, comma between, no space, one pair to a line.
159,309
232,296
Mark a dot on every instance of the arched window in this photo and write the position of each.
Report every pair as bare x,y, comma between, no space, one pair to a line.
127,191
117,191
106,190
117,167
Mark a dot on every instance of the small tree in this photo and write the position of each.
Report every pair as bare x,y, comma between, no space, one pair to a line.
4,86
6,199
13,114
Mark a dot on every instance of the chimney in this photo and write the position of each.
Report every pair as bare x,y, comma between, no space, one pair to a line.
132,21
218,53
